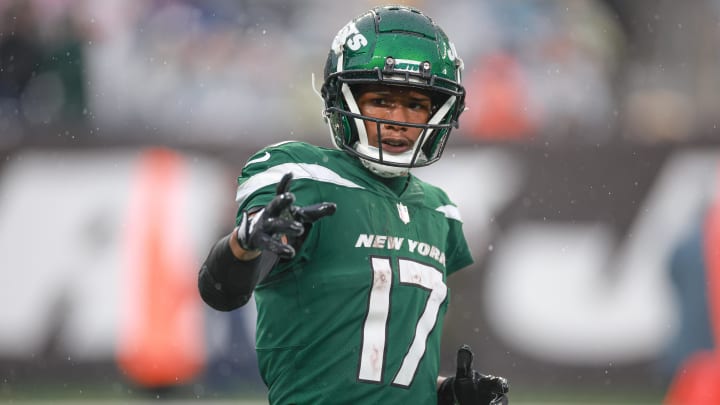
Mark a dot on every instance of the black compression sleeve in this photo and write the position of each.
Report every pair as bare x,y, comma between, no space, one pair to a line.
225,282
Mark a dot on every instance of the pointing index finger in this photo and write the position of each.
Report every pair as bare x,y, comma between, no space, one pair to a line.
284,184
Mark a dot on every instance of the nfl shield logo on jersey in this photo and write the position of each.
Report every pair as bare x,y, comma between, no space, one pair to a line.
403,212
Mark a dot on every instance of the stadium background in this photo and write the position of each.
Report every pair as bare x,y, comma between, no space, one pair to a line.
585,169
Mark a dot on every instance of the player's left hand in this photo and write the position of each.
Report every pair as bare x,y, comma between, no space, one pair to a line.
468,387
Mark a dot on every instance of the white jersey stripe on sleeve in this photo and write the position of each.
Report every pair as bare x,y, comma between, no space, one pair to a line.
299,171
450,211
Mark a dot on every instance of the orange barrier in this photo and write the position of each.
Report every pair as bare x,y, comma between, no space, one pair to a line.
161,341
697,381
498,100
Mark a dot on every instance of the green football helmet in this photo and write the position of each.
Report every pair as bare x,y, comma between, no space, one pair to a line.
398,46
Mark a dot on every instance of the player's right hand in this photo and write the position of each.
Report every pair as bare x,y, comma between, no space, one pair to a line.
275,226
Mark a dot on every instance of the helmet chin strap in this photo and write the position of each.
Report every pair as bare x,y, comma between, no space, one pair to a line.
384,170
381,169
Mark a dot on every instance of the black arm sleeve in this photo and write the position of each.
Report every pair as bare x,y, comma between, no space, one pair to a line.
225,282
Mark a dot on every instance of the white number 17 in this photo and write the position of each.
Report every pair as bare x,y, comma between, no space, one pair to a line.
375,328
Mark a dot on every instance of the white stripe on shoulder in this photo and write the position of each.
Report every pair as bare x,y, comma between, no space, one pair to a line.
299,170
282,143
262,158
450,211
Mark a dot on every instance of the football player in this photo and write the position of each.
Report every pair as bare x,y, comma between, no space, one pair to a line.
347,253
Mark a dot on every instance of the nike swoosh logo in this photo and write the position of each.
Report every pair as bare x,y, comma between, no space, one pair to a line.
262,158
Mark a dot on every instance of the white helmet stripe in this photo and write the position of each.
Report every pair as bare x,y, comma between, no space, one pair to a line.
353,107
440,114
340,63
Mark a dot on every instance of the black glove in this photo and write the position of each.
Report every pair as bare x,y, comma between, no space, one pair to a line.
468,387
264,229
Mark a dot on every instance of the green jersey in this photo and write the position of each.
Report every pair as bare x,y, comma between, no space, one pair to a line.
356,316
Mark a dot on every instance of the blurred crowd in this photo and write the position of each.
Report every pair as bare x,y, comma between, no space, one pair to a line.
228,72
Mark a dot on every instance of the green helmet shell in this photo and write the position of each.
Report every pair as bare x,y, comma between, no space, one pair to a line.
399,46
